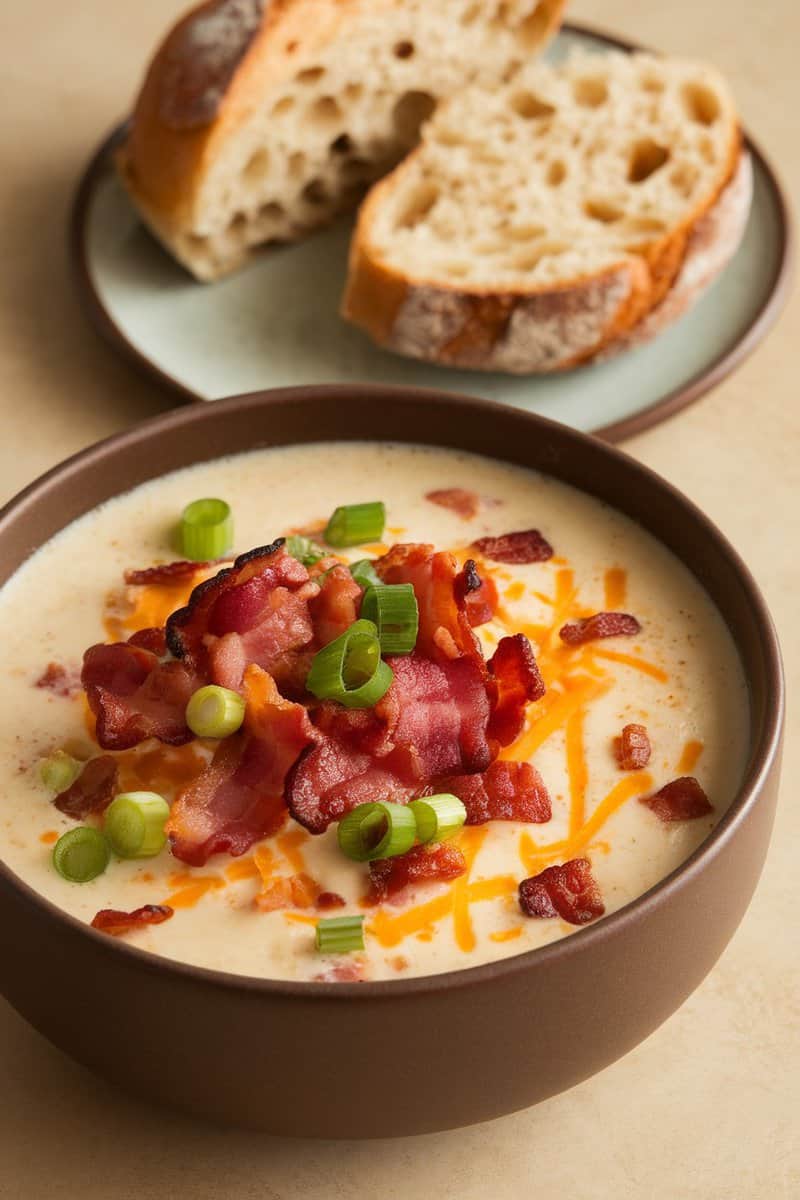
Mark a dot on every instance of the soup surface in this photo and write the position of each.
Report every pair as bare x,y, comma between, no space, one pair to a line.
679,677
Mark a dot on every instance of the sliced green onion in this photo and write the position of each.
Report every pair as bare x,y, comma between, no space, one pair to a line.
81,854
392,607
215,712
59,771
134,824
438,817
352,524
379,830
206,530
304,550
364,573
337,935
350,669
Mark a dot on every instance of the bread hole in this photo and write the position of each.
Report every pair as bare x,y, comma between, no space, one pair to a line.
403,49
645,225
708,150
272,211
410,111
556,173
355,168
651,83
310,75
701,103
525,233
530,106
325,110
526,260
602,210
490,246
647,157
458,268
296,165
291,47
196,241
284,105
239,223
257,167
471,14
353,92
343,144
683,178
449,137
590,91
532,28
417,205
315,192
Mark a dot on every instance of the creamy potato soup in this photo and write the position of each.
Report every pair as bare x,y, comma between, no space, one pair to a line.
669,674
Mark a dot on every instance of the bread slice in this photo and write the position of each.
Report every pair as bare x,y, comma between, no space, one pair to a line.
539,223
259,121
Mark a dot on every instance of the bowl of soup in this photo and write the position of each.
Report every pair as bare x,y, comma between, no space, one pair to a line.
375,761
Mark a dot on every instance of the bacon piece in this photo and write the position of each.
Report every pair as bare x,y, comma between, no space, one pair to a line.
633,748
524,546
292,891
444,629
422,864
326,900
681,800
477,595
135,696
458,500
507,791
253,612
432,722
346,970
515,682
116,923
568,890
600,625
92,791
166,573
336,607
153,639
238,799
59,680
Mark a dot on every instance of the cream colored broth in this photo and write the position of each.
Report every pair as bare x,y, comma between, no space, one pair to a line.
53,609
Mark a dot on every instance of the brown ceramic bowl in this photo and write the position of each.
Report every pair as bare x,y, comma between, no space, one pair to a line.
416,1055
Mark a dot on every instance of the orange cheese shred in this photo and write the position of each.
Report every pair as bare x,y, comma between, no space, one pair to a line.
689,756
631,660
615,589
506,935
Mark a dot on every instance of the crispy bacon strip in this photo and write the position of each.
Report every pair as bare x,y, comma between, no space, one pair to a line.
336,607
524,546
507,791
633,748
326,900
477,594
568,890
92,791
421,864
516,681
681,800
444,628
134,695
153,639
166,573
238,799
600,625
458,500
117,923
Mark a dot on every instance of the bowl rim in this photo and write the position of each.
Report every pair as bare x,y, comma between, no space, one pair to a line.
102,318
764,750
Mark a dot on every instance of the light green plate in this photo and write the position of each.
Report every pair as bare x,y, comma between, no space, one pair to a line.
276,323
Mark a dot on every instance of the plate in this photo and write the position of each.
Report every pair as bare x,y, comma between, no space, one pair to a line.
276,322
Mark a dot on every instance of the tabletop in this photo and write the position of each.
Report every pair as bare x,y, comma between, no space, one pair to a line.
708,1106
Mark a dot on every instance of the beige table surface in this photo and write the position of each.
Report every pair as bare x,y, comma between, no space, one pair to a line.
709,1106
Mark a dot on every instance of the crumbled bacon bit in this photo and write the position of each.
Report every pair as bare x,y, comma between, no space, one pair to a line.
516,681
524,546
346,970
59,680
166,573
458,500
336,607
92,791
567,890
444,628
152,639
600,625
327,900
135,696
507,791
681,800
422,864
633,748
116,923
477,595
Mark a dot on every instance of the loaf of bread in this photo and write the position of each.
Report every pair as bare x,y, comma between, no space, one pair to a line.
259,121
562,216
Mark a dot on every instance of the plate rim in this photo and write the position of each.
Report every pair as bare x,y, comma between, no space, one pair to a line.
723,364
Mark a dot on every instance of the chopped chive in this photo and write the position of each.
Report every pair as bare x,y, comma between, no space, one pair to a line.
215,712
338,935
81,854
438,817
377,830
59,771
364,573
134,824
392,607
304,550
206,531
350,669
353,524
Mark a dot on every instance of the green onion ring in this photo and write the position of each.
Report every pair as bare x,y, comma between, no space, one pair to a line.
377,830
206,531
392,607
350,669
353,524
